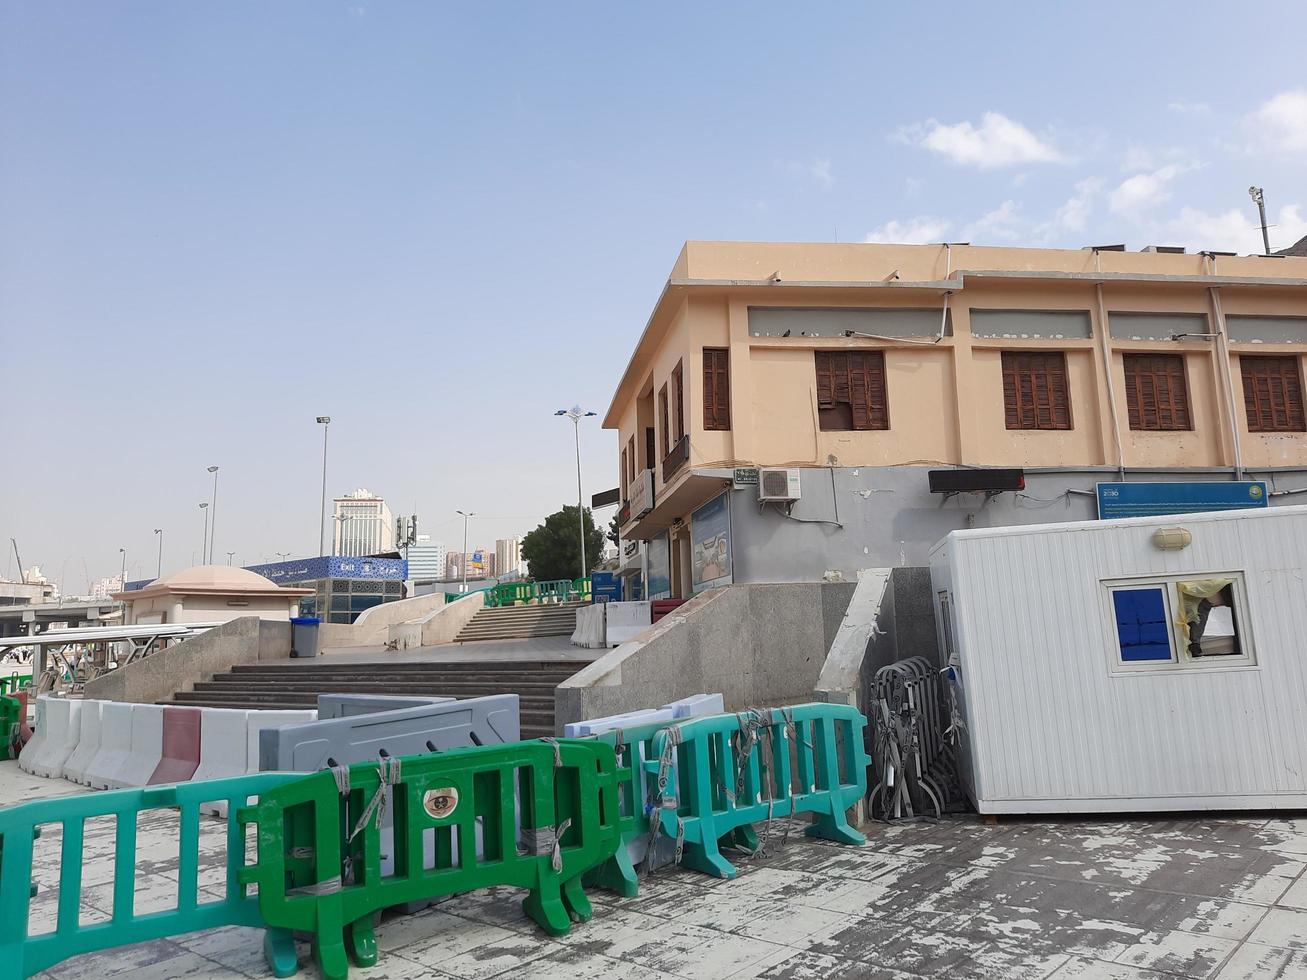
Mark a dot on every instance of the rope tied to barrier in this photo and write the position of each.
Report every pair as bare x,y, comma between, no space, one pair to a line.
664,798
547,840
388,776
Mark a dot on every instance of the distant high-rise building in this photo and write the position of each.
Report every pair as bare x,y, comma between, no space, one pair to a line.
508,556
106,587
426,560
362,525
480,564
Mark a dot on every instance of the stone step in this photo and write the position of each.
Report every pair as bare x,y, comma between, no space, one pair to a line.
486,666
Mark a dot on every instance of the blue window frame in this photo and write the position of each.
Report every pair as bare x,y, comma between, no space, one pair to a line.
1143,629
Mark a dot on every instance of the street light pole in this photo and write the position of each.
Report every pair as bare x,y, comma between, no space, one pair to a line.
325,422
576,415
230,556
466,515
213,521
159,573
122,577
204,543
1260,200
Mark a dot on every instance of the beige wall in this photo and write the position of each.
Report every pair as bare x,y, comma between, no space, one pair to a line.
946,399
209,609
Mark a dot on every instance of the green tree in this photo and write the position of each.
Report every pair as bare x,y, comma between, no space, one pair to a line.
615,532
553,550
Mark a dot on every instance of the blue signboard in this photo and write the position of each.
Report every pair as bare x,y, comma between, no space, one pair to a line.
1157,499
605,587
333,566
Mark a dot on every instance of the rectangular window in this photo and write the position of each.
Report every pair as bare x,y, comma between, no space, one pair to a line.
649,460
1035,393
1272,393
662,414
716,388
1156,394
623,474
629,456
851,393
1143,631
678,392
1172,623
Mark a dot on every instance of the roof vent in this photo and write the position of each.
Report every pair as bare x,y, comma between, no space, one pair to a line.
1166,249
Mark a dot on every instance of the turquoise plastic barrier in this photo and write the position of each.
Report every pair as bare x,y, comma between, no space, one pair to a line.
22,955
713,782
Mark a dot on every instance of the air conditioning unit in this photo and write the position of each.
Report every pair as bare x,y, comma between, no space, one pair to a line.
781,485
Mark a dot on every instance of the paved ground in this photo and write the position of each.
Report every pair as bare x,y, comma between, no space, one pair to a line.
1126,900
537,648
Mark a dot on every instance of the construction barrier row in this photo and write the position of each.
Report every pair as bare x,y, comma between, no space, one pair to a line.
11,682
335,847
112,745
13,714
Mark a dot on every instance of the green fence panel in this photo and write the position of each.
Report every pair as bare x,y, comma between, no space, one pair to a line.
637,797
717,776
14,682
11,720
22,955
319,849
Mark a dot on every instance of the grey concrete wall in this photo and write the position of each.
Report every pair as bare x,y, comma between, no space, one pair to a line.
759,645
372,628
890,518
180,667
440,625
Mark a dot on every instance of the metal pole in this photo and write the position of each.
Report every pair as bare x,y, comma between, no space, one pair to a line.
213,521
122,577
204,543
325,420
580,505
464,558
159,573
1261,213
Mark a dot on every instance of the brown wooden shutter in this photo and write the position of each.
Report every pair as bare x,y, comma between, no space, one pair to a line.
678,384
877,393
649,450
1156,392
825,383
858,386
716,388
1035,391
662,411
1272,393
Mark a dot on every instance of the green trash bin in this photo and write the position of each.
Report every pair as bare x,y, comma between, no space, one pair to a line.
304,636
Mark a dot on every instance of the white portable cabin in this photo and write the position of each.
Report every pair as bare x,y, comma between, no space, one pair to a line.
1154,663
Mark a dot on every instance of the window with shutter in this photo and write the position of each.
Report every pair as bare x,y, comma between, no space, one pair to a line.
1272,393
851,390
649,448
662,413
678,391
623,474
716,388
629,456
1156,393
1035,391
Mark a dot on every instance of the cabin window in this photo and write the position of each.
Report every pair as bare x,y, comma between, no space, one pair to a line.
1180,623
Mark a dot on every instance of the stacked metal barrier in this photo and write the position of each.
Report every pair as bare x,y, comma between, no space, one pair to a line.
914,763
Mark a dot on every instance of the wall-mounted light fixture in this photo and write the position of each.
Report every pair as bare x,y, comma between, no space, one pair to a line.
1172,539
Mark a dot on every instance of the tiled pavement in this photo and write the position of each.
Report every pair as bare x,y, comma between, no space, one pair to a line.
1149,898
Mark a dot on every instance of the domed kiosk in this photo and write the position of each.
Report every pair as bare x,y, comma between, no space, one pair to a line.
210,594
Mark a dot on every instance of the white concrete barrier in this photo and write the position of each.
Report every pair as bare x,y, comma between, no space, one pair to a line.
626,621
696,706
589,632
33,747
88,742
146,747
115,744
224,735
61,727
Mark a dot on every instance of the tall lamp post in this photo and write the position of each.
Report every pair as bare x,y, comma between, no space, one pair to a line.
122,577
213,519
159,573
576,415
325,422
1260,200
204,543
466,516
230,556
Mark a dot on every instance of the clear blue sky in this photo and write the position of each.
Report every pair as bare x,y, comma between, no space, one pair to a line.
440,223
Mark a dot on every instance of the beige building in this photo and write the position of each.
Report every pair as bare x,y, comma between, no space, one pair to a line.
210,594
864,366
363,525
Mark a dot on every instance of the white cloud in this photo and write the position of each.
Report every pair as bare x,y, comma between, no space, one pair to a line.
1074,213
1280,124
1232,231
921,230
1189,108
997,142
1003,223
1144,190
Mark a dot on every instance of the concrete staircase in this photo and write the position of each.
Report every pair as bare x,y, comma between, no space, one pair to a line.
297,685
520,622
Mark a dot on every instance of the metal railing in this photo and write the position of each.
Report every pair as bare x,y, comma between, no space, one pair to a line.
529,593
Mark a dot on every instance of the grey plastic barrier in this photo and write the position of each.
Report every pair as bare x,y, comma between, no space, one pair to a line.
490,720
349,705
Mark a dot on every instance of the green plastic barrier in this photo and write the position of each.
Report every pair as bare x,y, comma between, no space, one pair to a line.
14,682
719,784
11,719
442,804
636,787
22,955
